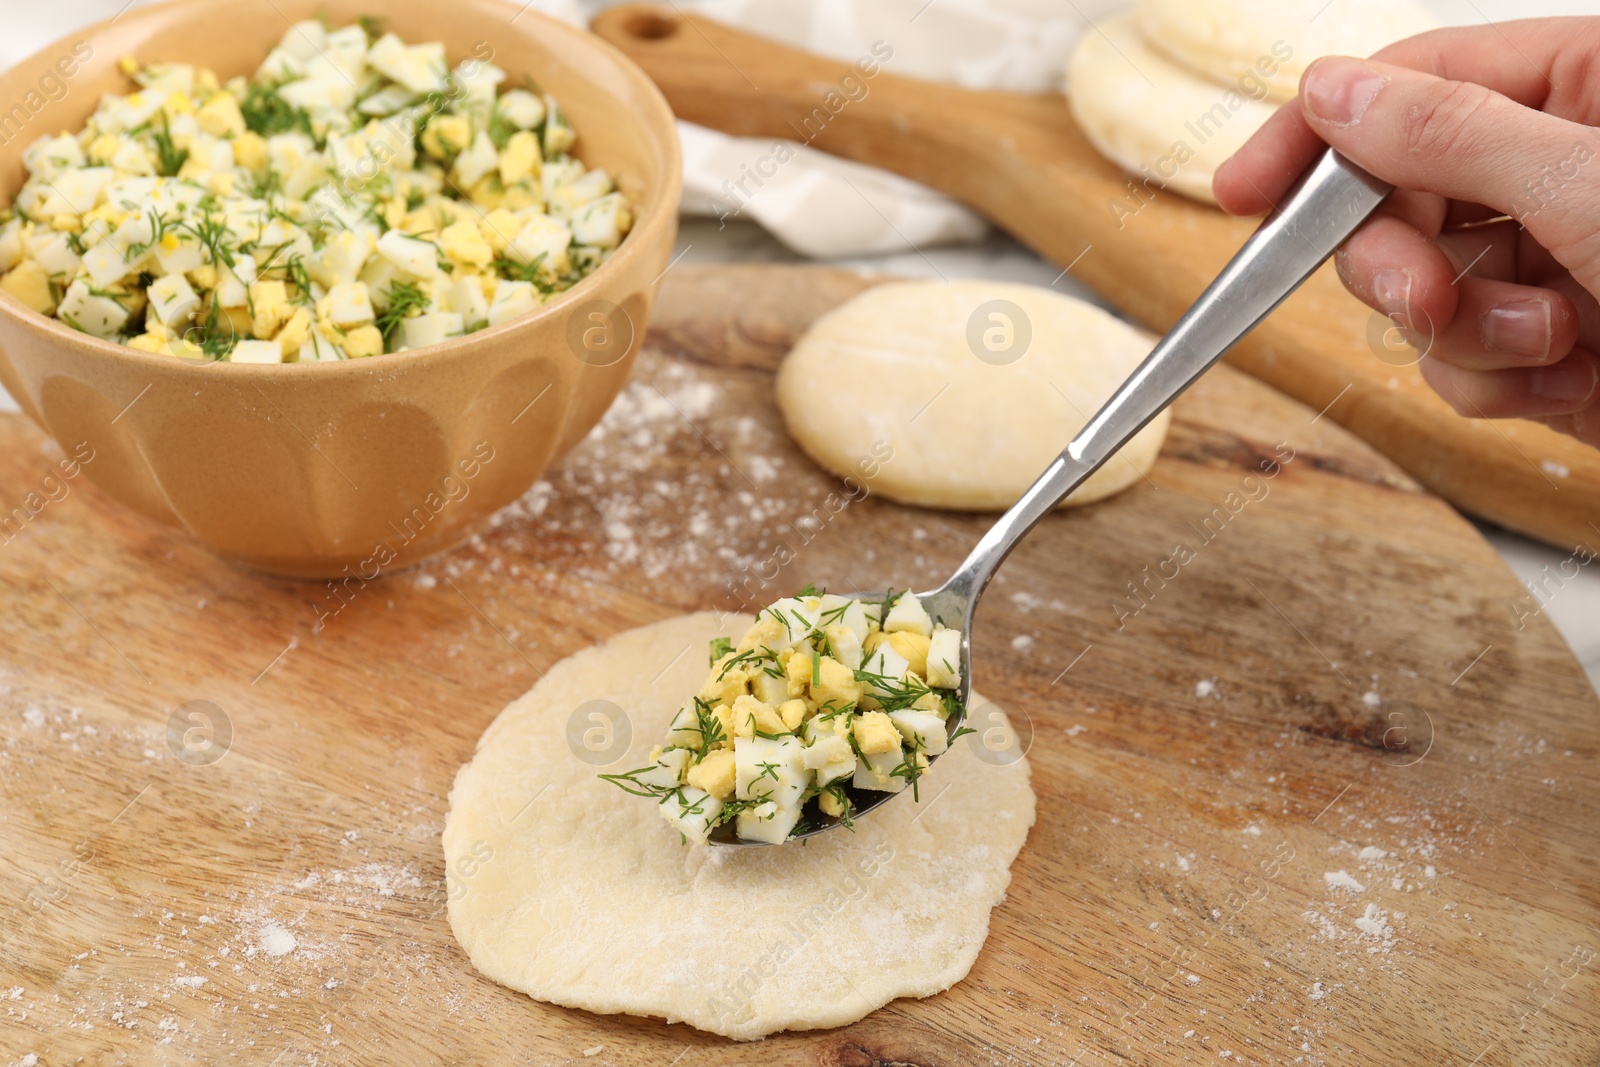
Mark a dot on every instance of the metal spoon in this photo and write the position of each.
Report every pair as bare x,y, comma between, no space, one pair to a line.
1325,206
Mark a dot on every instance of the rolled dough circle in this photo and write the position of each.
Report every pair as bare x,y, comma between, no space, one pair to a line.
1271,42
960,394
1165,125
566,888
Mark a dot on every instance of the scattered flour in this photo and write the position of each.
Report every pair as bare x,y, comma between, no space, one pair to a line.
1371,854
761,468
274,940
1342,880
189,981
1022,643
1372,922
1029,603
1317,992
1205,687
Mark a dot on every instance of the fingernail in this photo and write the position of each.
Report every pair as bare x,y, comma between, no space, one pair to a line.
1339,90
1392,290
1520,328
1571,381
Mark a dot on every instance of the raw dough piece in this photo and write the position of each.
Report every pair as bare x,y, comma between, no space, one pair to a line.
1231,40
569,889
1163,124
897,368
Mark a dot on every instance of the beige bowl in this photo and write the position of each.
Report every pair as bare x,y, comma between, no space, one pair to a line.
313,469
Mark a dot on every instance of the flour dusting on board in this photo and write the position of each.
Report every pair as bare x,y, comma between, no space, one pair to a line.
275,941
690,494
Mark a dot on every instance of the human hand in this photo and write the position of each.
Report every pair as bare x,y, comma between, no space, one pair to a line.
1488,251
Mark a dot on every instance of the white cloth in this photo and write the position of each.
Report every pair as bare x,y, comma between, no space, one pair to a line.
1020,45
824,207
818,205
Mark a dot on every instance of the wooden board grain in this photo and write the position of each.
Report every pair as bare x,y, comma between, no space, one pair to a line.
1022,161
1205,770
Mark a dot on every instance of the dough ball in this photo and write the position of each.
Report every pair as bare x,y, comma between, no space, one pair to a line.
959,394
1250,44
566,888
1160,122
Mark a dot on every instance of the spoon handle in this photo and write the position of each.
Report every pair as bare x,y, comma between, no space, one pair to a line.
1325,206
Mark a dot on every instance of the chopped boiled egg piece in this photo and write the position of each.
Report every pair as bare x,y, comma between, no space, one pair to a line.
691,811
412,255
92,312
173,301
512,300
944,659
908,614
252,351
431,329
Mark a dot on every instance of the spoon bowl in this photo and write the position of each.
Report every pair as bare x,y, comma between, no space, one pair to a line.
1330,200
943,604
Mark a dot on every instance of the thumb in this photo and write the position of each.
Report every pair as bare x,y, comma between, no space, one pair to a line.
1465,142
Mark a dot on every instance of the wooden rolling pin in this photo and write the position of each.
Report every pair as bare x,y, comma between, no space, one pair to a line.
1021,161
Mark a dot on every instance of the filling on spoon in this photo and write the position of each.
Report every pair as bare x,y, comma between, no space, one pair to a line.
821,697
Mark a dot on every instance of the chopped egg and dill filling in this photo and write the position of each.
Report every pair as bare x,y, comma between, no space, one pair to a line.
356,196
823,696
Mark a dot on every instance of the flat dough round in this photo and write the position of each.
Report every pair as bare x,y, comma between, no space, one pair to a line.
1163,124
1273,41
898,370
576,893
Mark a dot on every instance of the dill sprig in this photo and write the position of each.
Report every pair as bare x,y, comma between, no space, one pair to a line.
267,113
910,770
749,656
169,158
734,807
829,712
531,271
709,727
212,232
835,614
213,342
894,694
628,782
404,298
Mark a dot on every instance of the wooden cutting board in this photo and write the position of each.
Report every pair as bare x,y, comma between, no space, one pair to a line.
1205,772
1022,162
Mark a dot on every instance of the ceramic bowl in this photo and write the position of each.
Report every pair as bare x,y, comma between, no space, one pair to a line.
319,470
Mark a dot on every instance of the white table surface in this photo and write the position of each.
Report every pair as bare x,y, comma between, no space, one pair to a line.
1574,607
